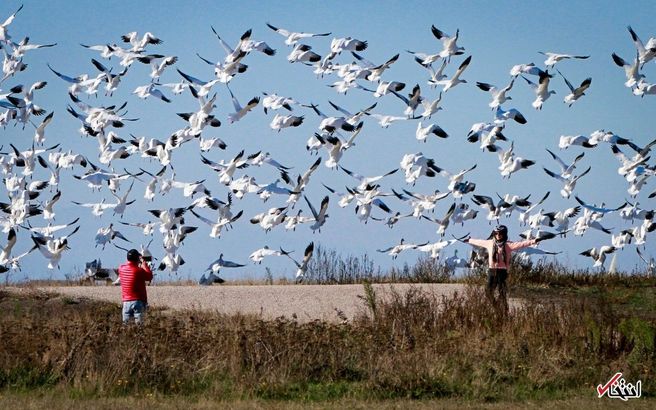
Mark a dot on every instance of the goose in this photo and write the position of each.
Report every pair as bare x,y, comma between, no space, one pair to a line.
77,83
177,88
424,59
204,87
172,261
97,208
644,88
266,191
511,163
292,37
453,262
526,253
226,71
422,202
575,93
270,219
501,116
189,189
53,248
293,221
301,183
449,46
366,181
206,144
158,63
373,72
435,75
39,135
422,132
455,80
139,44
431,107
530,68
463,213
243,185
105,235
560,220
113,80
632,71
240,111
259,255
567,141
366,199
345,199
566,169
629,164
149,90
168,218
275,102
222,221
417,165
238,53
435,248
570,181
336,146
386,120
589,219
319,217
5,254
651,263
443,223
412,101
4,34
303,53
24,45
147,228
337,45
395,250
646,52
600,210
524,215
553,58
622,239
632,212
284,121
331,124
542,92
598,255
303,266
494,210
392,220
48,212
226,170
260,158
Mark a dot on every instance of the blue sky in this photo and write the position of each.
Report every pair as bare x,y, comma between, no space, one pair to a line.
497,35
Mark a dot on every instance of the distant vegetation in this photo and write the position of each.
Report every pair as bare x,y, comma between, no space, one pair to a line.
571,333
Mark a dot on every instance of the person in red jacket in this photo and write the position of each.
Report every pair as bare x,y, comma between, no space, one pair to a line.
133,275
499,250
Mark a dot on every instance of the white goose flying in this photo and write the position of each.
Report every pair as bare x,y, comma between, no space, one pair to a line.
632,71
553,58
542,92
575,93
455,80
449,46
292,37
646,52
303,265
498,94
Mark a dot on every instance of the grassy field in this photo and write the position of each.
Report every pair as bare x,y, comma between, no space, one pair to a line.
574,331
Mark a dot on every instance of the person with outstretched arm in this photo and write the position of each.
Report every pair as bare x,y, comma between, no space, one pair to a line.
499,250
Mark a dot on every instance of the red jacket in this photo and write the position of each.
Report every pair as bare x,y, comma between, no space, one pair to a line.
133,281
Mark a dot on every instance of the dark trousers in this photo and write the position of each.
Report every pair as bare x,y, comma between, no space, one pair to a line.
496,279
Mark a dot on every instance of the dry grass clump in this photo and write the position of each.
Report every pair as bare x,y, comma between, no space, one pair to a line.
412,345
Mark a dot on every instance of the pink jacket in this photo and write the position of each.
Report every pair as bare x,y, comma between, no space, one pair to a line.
510,247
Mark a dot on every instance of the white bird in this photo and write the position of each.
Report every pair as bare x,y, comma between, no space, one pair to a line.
455,80
501,116
449,46
240,111
158,63
542,92
304,264
386,120
525,69
632,71
435,248
148,90
107,234
292,37
575,93
395,250
319,217
569,181
39,135
644,88
651,263
498,94
53,248
598,255
303,53
4,34
553,58
646,52
259,255
139,44
284,121
221,222
422,132
442,224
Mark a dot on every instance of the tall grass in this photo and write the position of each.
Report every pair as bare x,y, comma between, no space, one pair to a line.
413,345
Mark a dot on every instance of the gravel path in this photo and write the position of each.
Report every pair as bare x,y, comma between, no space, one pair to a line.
306,302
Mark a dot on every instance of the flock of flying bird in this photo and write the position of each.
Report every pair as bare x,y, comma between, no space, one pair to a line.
28,210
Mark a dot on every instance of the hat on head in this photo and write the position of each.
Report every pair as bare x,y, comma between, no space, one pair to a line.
134,255
501,228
